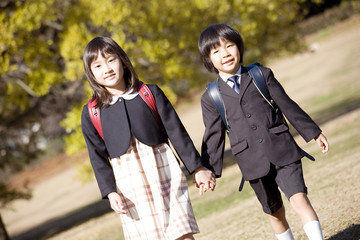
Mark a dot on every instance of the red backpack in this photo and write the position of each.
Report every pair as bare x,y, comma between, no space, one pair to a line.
144,93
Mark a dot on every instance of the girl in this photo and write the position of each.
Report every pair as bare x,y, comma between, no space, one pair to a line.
144,182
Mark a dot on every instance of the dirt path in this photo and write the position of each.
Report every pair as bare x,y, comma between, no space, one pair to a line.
61,195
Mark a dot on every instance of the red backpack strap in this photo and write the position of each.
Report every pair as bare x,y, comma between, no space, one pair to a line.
148,98
95,116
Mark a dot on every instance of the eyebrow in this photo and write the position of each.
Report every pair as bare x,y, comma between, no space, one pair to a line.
94,62
107,56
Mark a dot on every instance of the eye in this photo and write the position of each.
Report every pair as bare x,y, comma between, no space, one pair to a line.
95,66
229,45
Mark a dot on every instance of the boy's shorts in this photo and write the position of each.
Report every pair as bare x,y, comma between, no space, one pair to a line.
288,178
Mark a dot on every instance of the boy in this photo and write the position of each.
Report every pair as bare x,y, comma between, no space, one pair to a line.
265,151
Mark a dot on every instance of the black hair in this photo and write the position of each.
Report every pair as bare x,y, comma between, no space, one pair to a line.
105,46
210,38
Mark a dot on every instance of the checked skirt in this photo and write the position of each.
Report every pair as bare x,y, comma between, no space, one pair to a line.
155,193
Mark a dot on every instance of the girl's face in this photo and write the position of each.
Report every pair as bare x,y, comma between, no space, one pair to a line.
109,72
225,58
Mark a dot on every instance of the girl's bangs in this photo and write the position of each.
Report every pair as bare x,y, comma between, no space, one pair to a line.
93,51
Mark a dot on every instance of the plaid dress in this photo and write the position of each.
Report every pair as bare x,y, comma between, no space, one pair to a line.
155,193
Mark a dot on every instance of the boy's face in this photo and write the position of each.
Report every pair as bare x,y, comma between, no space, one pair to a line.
225,58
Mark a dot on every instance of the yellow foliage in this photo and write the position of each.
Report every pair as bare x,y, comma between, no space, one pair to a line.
7,43
72,119
72,123
46,40
74,142
109,13
31,15
84,172
169,93
72,47
42,80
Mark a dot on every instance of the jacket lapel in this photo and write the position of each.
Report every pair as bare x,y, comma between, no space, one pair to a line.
245,81
226,89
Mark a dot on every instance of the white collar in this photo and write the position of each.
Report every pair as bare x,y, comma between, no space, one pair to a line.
127,96
238,72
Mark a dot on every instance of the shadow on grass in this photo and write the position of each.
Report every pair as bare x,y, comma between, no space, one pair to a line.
337,110
68,221
333,111
65,222
351,233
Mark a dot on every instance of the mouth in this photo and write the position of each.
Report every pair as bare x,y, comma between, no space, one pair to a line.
228,62
110,76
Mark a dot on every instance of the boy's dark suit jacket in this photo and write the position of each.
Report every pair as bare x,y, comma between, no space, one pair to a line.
127,117
257,135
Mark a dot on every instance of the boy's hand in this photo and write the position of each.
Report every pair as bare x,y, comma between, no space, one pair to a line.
116,203
204,179
322,143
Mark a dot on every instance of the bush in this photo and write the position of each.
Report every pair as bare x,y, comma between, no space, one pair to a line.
330,17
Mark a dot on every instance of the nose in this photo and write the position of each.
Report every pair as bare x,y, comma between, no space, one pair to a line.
108,69
225,53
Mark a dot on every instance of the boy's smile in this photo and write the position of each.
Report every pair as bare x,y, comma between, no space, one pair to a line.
225,58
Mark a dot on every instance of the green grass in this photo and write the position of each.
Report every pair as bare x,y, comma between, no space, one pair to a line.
211,206
329,106
347,141
323,34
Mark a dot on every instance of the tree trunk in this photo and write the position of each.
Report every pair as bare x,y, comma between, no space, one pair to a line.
3,233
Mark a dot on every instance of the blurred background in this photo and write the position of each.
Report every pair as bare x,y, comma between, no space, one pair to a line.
43,86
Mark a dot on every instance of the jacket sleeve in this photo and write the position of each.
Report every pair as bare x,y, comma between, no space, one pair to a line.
298,118
213,144
176,131
99,156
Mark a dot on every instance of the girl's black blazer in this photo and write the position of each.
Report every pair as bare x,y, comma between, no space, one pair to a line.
127,117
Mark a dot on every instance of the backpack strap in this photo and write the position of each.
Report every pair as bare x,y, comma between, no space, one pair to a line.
259,82
95,116
148,98
144,93
215,96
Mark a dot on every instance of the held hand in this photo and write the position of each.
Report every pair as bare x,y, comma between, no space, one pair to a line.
322,143
116,203
204,179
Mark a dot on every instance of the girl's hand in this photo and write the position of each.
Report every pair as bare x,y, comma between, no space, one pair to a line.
204,179
322,143
116,203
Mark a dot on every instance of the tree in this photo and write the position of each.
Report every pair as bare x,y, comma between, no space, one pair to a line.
42,80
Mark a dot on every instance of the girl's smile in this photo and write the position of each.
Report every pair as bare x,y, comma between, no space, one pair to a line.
109,72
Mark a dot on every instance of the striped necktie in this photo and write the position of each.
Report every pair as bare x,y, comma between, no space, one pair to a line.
236,85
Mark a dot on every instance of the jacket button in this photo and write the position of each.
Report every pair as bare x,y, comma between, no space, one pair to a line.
248,115
260,140
253,127
243,102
